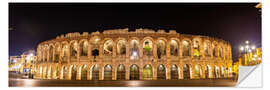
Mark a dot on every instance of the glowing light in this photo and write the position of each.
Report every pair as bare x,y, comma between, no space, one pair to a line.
241,48
253,47
247,42
255,55
247,46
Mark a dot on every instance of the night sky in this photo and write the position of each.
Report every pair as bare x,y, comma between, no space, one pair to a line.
33,23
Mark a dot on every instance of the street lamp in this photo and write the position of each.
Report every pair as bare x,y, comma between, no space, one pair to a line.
246,50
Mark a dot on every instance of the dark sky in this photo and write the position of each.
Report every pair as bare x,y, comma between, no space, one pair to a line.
33,23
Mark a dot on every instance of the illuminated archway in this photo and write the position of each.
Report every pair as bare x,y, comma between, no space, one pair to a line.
74,49
161,49
84,72
134,72
121,73
174,50
161,72
84,48
197,71
147,72
95,73
134,50
73,72
185,48
148,47
121,47
108,47
174,72
108,72
216,72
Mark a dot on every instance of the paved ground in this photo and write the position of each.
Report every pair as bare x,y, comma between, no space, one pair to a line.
15,82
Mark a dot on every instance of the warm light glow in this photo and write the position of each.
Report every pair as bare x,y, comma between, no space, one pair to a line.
253,47
247,46
241,48
247,42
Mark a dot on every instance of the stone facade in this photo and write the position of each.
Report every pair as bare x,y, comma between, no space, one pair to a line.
127,55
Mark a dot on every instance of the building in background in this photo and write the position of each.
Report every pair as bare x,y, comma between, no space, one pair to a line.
250,55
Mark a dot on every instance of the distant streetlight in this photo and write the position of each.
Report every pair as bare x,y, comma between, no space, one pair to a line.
247,49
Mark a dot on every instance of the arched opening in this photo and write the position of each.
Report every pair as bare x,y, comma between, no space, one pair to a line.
50,73
215,50
147,72
222,72
148,47
74,50
207,48
45,72
108,72
161,49
65,72
73,73
95,73
84,72
121,72
84,48
57,53
95,48
186,48
186,71
51,53
121,47
161,72
134,50
216,72
197,71
174,72
56,73
221,52
65,53
134,72
196,49
207,71
108,47
174,48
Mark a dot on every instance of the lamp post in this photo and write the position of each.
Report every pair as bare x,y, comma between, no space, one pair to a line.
246,50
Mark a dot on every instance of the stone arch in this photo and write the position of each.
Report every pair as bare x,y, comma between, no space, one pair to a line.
95,43
108,47
46,53
174,47
197,71
57,51
73,49
215,49
148,46
73,70
161,49
174,72
56,73
161,72
50,72
121,72
207,48
44,74
83,48
222,73
208,73
84,72
65,72
51,52
147,72
216,71
65,51
186,71
186,47
134,72
134,49
108,72
196,47
121,47
95,72
221,49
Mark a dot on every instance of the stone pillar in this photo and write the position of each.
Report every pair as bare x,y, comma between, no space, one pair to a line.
168,66
141,72
114,70
127,72
154,66
155,51
101,67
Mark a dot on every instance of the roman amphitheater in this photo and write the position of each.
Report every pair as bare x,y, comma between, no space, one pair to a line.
141,54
